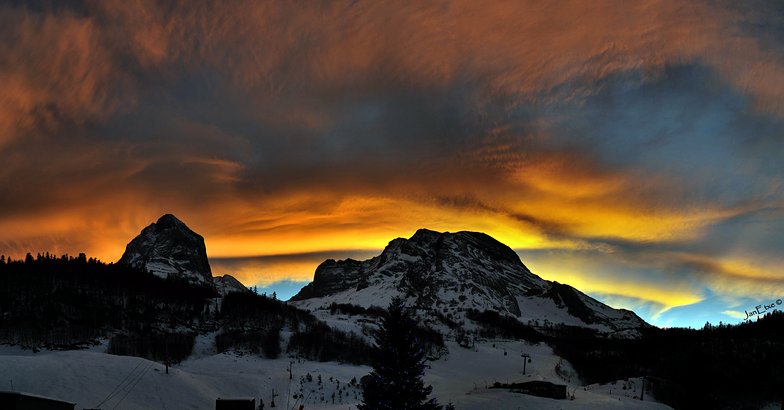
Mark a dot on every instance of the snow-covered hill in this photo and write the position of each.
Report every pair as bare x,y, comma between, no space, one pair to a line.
450,273
90,378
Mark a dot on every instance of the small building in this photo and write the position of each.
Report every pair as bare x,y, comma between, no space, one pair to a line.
542,389
539,388
11,400
235,403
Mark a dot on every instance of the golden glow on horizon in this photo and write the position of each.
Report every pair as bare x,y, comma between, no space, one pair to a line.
663,295
263,273
369,223
366,223
302,223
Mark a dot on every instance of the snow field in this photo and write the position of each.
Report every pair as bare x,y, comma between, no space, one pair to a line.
91,377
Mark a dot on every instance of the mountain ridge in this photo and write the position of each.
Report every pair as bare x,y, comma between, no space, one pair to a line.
456,272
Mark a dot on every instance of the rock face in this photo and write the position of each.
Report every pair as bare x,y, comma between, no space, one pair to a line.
451,273
226,284
169,247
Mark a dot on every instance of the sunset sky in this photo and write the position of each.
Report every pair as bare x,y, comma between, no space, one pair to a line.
631,149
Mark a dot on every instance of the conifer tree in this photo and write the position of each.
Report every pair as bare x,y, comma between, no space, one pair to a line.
398,366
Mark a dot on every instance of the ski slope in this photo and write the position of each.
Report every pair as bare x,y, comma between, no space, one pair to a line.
92,378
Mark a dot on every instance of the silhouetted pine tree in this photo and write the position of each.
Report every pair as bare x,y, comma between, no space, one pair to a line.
398,366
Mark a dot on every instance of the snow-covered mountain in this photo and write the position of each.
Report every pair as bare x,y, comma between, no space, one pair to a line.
169,247
450,273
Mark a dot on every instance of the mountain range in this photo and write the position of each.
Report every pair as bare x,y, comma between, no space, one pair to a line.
479,310
443,275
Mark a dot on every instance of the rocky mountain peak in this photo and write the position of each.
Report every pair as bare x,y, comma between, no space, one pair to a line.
425,236
169,247
168,221
457,272
430,262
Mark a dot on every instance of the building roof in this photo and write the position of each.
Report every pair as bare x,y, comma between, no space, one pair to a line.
34,396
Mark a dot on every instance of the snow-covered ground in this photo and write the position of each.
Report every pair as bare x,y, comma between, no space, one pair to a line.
92,378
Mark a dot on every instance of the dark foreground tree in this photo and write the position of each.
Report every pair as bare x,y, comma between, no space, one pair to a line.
398,366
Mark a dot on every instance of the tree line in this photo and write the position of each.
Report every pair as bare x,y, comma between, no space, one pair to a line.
719,367
65,302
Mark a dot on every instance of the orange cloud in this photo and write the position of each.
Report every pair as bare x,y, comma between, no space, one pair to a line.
299,224
53,69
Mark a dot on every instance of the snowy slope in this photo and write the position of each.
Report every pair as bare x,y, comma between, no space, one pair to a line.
454,272
91,377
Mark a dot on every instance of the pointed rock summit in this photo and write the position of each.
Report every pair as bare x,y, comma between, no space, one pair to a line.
169,247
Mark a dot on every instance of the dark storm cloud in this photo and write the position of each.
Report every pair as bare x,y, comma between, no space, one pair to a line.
684,120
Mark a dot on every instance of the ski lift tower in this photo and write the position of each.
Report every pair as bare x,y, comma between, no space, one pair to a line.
526,359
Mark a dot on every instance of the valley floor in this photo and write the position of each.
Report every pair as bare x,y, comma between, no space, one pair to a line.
92,378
